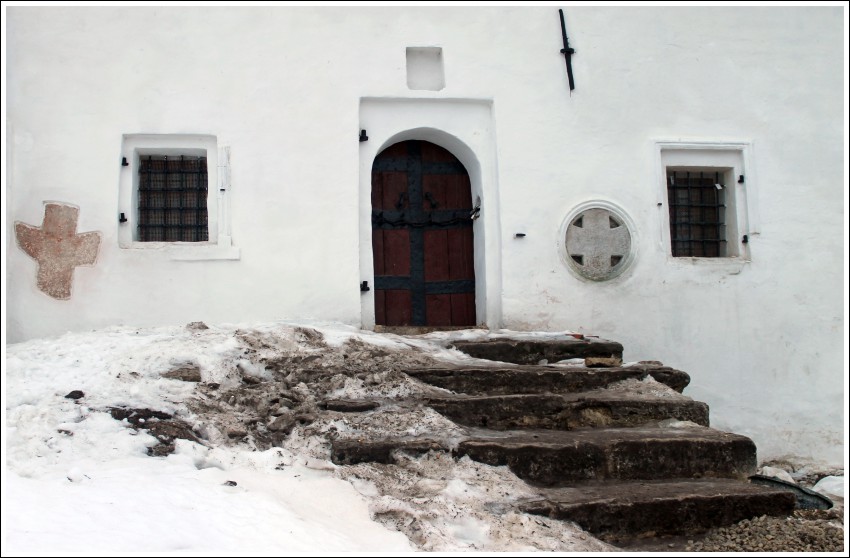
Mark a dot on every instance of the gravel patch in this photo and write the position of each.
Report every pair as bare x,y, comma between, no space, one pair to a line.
804,531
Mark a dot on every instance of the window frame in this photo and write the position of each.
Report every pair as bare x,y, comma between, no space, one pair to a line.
219,243
734,158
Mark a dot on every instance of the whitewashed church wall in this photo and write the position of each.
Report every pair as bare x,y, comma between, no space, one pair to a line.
284,89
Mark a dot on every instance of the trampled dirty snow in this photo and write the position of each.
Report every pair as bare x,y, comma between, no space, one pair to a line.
77,480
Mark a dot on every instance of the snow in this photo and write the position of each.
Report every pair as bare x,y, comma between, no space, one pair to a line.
831,486
169,505
77,478
777,473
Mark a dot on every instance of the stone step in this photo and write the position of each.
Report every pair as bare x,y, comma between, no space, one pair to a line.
615,509
599,408
351,451
532,351
554,457
543,379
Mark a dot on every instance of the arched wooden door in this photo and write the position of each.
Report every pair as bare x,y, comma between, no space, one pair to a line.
422,239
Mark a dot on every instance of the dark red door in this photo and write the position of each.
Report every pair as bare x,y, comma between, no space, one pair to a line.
422,237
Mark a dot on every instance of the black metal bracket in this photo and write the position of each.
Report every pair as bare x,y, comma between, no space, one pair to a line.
364,286
567,51
121,218
745,240
520,235
363,136
124,162
740,179
400,203
430,197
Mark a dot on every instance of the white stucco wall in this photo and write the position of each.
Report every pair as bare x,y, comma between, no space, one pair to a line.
288,89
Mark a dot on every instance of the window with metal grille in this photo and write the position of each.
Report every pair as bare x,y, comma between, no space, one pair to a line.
697,202
173,198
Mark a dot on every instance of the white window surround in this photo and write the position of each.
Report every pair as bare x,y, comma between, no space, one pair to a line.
219,245
734,158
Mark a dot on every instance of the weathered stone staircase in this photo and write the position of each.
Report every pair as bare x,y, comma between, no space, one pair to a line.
618,462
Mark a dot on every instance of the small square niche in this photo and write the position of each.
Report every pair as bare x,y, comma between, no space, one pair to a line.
425,68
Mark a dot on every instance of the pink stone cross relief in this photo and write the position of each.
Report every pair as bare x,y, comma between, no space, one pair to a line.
57,248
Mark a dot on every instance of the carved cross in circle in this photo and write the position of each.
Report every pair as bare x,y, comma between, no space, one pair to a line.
57,248
597,243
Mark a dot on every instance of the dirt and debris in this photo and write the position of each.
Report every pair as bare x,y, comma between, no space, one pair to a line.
283,382
189,372
161,425
349,405
602,362
302,394
437,502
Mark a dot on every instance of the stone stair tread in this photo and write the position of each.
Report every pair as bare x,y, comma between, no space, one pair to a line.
558,457
591,395
531,351
596,408
543,437
556,438
625,491
350,451
672,506
506,379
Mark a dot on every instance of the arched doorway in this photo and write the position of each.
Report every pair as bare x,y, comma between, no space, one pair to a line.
422,237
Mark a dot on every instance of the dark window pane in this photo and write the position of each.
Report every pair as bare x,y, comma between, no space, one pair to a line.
173,199
697,213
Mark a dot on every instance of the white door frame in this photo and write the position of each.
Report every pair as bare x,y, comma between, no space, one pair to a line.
465,128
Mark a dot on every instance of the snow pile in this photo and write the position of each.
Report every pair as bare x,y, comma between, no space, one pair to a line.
138,504
647,387
80,479
777,473
108,451
447,337
832,486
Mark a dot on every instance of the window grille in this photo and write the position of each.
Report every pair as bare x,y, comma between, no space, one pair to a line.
173,199
697,213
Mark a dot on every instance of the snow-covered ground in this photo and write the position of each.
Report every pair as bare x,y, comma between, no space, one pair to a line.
217,440
78,481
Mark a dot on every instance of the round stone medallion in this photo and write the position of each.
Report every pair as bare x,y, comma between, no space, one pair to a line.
598,243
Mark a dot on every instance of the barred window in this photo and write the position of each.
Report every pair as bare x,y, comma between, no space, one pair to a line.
173,198
712,206
697,202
